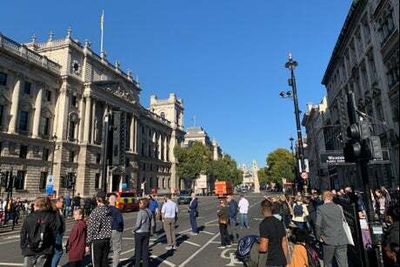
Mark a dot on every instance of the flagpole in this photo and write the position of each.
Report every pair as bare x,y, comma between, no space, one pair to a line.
101,33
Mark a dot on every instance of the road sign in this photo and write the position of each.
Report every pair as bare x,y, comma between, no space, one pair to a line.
304,175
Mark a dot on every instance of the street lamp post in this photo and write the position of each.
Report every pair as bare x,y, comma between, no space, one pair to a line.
291,139
291,64
104,152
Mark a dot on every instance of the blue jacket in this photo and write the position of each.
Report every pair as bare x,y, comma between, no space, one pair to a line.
193,205
233,207
117,219
153,205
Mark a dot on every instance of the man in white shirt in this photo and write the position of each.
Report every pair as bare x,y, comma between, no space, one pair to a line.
243,210
169,211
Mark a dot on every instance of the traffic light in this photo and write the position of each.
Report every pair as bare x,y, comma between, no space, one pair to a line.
352,149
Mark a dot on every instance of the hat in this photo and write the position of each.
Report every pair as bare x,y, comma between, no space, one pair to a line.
101,194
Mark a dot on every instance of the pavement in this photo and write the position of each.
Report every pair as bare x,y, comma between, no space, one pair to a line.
198,250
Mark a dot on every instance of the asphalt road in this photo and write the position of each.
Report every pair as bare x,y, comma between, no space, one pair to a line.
199,250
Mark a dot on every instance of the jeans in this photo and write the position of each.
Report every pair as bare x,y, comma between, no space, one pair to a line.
234,236
193,221
244,222
142,248
58,250
116,240
37,261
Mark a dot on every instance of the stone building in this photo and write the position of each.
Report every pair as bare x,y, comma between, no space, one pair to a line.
204,183
314,121
68,112
365,60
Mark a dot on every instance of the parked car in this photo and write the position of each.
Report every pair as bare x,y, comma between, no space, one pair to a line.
184,197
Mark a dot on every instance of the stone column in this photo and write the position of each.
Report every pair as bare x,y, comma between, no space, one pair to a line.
93,126
135,137
38,110
86,133
14,106
81,119
174,177
159,146
165,148
132,134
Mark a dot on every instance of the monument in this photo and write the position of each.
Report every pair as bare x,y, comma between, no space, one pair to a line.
255,177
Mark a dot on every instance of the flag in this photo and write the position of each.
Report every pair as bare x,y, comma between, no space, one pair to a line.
102,21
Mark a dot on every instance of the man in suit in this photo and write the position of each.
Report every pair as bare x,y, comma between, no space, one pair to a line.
329,229
193,214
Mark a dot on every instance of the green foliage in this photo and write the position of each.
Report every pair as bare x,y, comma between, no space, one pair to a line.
262,175
197,159
192,160
280,164
225,169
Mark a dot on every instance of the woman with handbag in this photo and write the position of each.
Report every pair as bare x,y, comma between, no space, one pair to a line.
223,220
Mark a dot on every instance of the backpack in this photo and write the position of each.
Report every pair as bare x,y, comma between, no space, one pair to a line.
298,210
39,235
312,257
244,246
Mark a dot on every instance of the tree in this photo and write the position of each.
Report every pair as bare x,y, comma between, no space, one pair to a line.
192,161
262,175
280,164
225,169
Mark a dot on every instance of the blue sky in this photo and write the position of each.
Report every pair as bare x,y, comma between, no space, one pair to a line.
224,58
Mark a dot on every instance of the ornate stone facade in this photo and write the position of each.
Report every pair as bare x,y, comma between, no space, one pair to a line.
365,60
68,112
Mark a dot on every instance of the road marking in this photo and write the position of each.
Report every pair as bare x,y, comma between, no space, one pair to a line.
162,260
12,237
216,242
206,232
198,251
192,243
10,264
231,257
128,238
128,251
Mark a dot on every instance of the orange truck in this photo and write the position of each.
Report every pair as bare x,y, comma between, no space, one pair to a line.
223,188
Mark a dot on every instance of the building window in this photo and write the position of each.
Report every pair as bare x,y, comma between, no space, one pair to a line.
48,95
98,158
393,73
20,180
74,102
1,115
23,120
43,180
366,30
3,78
45,126
45,154
27,88
71,156
386,25
71,132
23,151
97,181
162,115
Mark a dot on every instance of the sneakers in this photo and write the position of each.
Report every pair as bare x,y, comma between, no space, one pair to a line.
174,247
222,247
169,247
192,233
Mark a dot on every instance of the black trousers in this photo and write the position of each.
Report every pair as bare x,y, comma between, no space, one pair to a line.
100,249
223,230
75,264
142,249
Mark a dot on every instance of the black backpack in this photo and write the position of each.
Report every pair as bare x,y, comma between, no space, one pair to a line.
39,235
298,210
244,247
